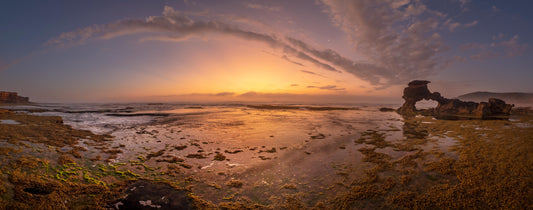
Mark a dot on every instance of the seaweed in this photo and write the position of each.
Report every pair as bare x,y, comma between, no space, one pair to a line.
272,150
155,154
219,157
233,152
197,156
234,184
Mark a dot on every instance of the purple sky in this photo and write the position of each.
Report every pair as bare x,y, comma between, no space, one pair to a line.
334,50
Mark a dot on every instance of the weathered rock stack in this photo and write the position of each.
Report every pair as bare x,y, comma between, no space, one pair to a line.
417,90
12,97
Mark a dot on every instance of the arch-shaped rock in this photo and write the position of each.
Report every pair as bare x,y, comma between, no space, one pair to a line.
417,90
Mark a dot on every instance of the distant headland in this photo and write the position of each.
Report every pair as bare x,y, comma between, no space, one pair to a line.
515,97
12,98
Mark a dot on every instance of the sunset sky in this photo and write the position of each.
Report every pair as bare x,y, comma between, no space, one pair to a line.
233,50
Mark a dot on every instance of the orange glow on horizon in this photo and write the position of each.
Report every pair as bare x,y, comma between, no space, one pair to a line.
239,67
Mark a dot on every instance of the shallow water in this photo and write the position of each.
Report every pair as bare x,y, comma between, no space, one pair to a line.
341,156
270,152
9,122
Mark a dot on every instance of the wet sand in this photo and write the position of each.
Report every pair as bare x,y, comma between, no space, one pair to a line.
269,158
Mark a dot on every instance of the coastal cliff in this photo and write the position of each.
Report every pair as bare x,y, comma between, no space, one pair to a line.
12,97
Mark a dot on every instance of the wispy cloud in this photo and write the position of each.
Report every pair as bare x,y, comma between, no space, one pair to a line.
4,66
402,39
399,38
225,94
308,72
392,58
262,7
496,9
500,47
484,55
174,26
473,23
452,26
464,4
327,87
249,94
291,61
312,73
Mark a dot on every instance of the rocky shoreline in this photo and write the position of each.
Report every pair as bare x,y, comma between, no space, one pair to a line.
46,164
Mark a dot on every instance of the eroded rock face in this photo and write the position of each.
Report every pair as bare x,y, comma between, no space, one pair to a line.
12,97
417,90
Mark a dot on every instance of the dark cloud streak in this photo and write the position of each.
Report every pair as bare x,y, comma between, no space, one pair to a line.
327,87
176,26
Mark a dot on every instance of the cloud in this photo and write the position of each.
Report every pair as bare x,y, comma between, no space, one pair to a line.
262,7
249,94
327,87
225,94
482,51
392,58
454,25
399,38
496,9
269,98
313,73
291,61
4,66
174,26
485,55
499,36
308,72
469,46
468,25
512,47
464,4
294,85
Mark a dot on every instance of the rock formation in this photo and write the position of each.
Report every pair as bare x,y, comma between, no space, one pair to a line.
417,90
12,97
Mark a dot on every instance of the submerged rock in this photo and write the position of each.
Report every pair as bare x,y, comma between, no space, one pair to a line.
417,90
386,109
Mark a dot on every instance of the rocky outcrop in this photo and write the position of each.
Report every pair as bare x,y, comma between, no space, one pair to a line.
417,90
12,97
